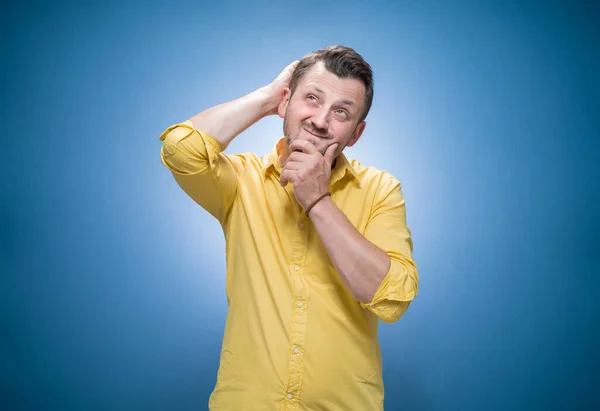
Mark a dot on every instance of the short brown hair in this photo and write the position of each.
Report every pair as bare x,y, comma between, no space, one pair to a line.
342,61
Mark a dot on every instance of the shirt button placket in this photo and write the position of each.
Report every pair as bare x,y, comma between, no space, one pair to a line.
299,313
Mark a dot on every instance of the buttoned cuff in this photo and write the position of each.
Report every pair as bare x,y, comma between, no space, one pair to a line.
398,288
186,150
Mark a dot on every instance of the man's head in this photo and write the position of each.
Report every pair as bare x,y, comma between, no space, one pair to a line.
329,97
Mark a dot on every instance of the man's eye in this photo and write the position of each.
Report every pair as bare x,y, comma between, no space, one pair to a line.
312,98
342,113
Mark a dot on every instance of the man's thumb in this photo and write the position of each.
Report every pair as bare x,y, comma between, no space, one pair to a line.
330,153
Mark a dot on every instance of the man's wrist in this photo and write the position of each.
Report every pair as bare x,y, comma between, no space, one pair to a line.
320,201
269,100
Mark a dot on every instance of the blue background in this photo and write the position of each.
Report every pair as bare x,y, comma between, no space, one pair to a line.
112,288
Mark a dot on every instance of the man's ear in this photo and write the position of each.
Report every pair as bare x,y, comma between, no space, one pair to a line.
357,133
284,102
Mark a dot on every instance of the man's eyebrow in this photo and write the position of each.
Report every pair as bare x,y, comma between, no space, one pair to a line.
346,102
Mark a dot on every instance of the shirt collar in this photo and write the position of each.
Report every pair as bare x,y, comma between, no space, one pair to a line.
342,164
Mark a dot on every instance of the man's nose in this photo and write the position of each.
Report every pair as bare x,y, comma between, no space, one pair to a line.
320,119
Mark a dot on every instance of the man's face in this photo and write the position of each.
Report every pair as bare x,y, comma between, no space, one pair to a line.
324,109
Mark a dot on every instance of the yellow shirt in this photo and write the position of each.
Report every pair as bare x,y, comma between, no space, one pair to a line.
295,337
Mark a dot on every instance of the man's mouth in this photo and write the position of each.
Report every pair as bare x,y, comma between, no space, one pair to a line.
314,134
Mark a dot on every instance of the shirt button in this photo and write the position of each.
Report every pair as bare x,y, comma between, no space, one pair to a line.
296,268
301,225
296,350
300,304
289,395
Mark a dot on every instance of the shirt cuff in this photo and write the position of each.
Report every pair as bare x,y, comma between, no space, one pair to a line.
186,150
398,288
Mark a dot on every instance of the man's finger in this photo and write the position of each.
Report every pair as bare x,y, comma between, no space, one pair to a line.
303,146
330,153
292,165
286,175
296,157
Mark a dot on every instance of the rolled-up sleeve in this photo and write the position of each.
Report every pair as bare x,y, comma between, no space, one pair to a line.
387,229
200,167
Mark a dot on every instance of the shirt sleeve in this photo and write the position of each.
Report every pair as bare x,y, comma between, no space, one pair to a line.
200,167
387,230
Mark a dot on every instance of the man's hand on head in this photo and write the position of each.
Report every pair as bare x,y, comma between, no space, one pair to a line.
308,170
274,90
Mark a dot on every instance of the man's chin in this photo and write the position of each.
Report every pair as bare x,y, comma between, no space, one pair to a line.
310,139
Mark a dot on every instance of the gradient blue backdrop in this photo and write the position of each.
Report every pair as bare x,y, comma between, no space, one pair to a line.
112,280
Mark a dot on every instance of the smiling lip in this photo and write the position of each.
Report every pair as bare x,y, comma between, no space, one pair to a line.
316,135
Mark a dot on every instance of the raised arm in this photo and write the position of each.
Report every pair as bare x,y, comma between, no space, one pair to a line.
225,121
193,150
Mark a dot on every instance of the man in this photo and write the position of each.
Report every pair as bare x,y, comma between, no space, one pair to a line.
317,245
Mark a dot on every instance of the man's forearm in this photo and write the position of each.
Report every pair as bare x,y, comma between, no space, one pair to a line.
359,262
226,121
